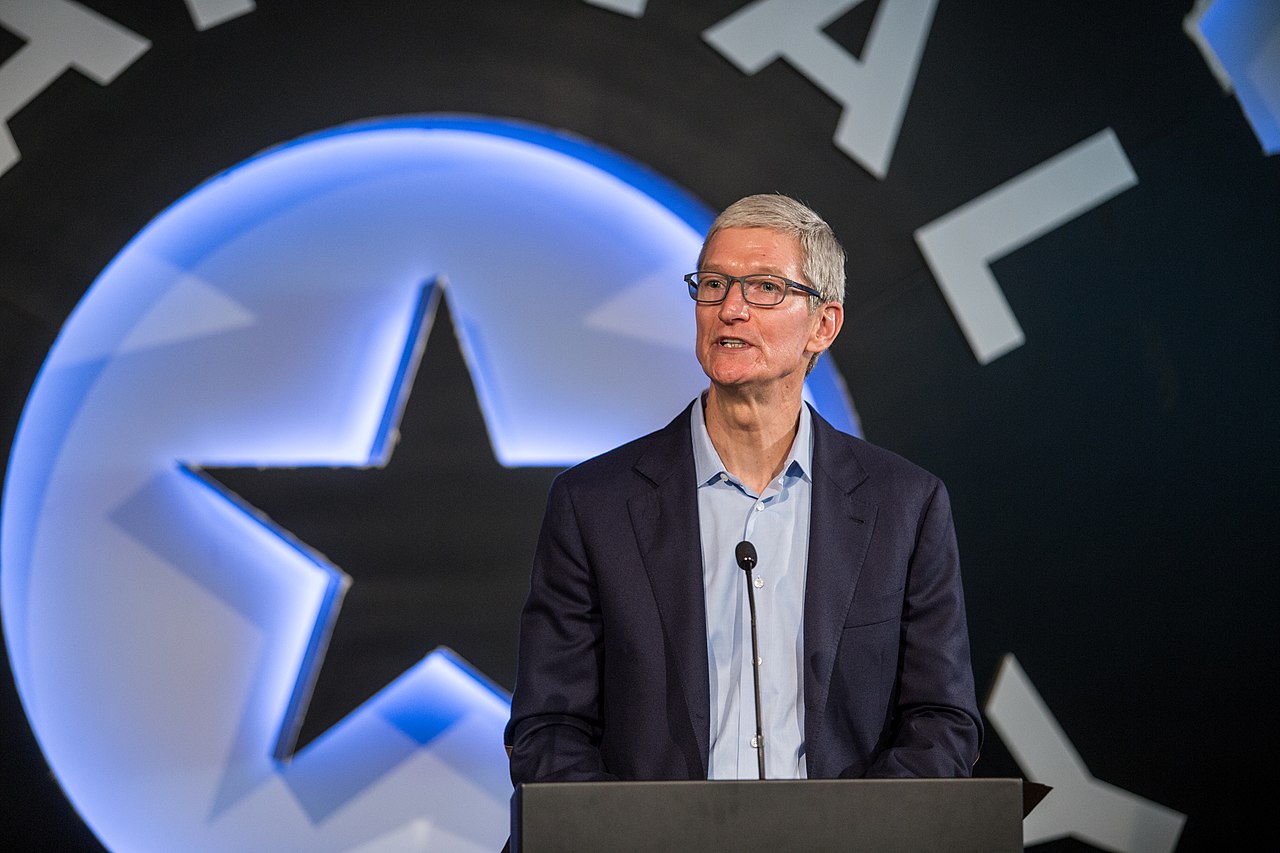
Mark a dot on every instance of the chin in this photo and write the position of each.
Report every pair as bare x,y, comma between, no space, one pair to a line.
725,374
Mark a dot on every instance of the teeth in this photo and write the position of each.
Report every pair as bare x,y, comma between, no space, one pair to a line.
732,342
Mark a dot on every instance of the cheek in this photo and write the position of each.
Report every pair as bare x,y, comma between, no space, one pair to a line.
704,329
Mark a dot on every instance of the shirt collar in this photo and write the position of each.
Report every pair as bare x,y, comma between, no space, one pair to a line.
707,466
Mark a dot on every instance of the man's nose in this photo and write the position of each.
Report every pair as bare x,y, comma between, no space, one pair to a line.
735,303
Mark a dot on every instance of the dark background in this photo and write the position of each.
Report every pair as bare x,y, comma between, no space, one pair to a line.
1114,480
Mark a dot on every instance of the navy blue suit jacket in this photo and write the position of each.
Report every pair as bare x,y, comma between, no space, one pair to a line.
612,678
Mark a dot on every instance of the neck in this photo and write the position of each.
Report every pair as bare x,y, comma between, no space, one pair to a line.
752,436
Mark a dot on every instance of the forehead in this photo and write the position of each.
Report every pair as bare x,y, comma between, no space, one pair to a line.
746,250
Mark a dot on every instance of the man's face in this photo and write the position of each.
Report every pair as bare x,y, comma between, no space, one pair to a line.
749,348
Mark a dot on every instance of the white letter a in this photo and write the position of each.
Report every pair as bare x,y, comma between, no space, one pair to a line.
873,90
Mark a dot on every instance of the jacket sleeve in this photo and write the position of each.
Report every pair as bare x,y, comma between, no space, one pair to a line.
556,709
936,729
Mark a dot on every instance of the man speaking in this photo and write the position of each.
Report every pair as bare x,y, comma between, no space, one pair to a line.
636,647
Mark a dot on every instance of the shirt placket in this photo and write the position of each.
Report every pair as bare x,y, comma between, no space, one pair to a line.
746,682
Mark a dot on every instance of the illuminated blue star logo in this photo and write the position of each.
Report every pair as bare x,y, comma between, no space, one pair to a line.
419,544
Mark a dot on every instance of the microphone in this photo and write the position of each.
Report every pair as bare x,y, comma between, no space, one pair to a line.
745,554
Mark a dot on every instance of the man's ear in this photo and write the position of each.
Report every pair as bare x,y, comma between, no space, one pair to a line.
831,319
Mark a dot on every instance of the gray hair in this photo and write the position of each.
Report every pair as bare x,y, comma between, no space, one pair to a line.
822,258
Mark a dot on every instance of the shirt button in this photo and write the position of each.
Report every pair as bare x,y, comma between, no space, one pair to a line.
759,507
755,742
724,478
759,582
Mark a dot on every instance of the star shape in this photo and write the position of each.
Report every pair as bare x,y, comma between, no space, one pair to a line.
436,543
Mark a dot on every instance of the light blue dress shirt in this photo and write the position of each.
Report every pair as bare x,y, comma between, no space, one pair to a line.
777,524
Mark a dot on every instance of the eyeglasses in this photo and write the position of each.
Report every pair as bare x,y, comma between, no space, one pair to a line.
761,290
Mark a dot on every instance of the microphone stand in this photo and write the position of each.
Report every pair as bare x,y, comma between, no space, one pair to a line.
746,556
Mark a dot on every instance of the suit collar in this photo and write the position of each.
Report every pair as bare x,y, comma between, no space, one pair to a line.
669,451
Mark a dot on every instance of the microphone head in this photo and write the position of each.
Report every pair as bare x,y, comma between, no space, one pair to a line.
745,553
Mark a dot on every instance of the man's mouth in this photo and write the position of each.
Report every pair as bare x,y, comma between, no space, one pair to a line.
732,343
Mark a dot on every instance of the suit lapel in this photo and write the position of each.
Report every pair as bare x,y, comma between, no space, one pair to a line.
665,519
839,535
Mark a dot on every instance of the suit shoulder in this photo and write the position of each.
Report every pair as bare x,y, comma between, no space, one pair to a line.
879,459
612,468
883,468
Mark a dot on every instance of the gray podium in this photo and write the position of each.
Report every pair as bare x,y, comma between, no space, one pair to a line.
881,815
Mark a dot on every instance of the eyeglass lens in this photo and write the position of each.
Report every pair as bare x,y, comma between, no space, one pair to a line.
757,289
